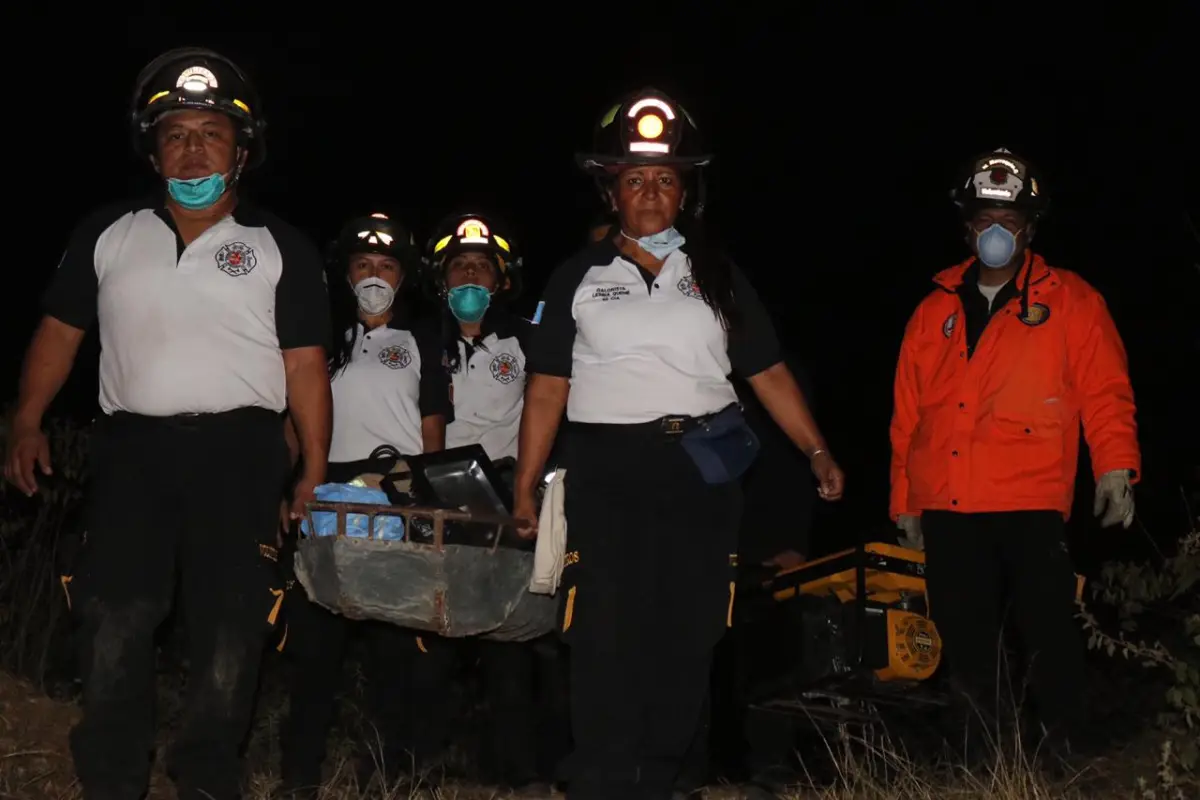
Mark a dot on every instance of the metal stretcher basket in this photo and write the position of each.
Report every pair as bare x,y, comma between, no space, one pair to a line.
455,572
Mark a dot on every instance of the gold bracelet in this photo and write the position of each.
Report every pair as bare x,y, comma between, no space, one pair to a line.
816,453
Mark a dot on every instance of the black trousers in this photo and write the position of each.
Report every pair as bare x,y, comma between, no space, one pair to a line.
509,754
648,590
316,647
187,499
973,561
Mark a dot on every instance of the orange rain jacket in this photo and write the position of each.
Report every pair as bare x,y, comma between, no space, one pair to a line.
997,429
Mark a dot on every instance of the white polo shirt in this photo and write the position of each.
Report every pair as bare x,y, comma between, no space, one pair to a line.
195,329
488,387
639,347
394,379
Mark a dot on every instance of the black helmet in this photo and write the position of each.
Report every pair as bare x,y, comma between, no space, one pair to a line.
646,127
377,233
1000,179
479,233
197,78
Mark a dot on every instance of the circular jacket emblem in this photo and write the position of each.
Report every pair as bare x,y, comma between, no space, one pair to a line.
687,285
395,357
948,325
1036,315
236,259
505,368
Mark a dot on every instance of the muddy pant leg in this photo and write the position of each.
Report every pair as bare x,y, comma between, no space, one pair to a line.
508,669
121,591
1043,608
316,647
964,581
232,591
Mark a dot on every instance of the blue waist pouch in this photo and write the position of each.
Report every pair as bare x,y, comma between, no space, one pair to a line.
723,447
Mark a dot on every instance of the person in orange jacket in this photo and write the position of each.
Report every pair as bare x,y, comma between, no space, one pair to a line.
1000,364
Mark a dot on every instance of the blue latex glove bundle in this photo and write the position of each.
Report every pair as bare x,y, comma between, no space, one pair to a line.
388,528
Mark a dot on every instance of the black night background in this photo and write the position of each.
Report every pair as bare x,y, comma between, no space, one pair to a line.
837,135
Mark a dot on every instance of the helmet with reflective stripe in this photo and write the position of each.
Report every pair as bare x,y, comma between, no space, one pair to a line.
199,79
377,233
1001,179
646,127
474,233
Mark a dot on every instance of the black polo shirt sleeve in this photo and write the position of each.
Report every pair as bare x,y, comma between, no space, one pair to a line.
72,296
302,314
522,331
753,344
552,340
434,390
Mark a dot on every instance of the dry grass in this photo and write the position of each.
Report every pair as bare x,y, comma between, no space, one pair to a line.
35,765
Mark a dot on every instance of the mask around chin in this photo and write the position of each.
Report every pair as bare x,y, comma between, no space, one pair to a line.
661,244
197,194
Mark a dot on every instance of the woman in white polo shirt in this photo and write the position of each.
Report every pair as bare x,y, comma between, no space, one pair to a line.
476,273
474,270
635,340
390,387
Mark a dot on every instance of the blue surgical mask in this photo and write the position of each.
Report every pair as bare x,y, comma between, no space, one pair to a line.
469,302
996,246
661,244
196,194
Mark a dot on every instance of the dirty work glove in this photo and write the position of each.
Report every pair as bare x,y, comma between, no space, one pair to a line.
912,538
1115,492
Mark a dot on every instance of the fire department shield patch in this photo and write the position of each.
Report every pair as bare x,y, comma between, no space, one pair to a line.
505,368
236,259
687,285
1036,315
948,325
395,357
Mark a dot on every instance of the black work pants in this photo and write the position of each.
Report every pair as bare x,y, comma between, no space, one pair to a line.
972,562
647,594
509,755
190,499
316,647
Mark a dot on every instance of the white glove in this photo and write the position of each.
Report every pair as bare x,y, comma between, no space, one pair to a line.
913,539
1115,492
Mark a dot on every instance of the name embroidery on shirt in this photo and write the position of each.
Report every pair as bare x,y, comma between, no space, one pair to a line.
505,369
688,286
236,259
606,293
395,357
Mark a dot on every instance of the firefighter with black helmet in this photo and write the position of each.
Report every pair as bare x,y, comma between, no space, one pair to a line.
999,365
473,268
216,99
634,340
476,271
390,390
213,318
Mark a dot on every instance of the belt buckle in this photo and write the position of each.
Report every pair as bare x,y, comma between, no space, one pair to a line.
673,426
